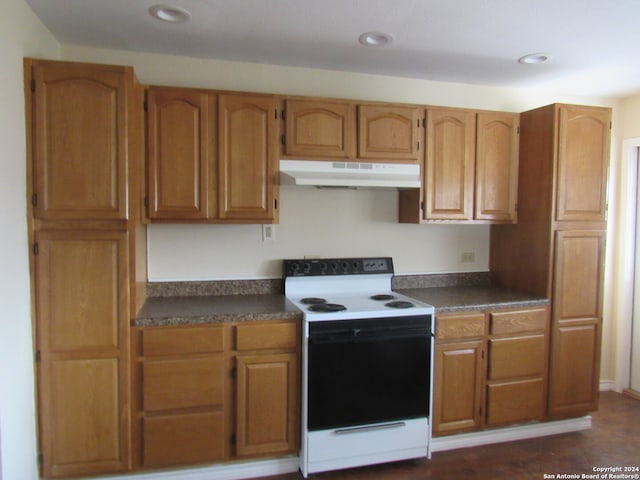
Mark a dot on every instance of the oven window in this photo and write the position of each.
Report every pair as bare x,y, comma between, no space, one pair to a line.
367,379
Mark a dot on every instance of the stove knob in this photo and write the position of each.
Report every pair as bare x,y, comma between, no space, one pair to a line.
293,268
323,267
306,267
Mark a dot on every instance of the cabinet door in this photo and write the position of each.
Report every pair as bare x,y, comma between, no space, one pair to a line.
458,384
80,140
267,408
83,337
583,162
320,129
180,147
497,166
389,133
450,164
575,336
247,156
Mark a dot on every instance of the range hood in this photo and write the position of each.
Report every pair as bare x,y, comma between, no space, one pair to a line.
349,174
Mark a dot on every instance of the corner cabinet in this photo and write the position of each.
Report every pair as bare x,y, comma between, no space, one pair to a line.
471,169
557,248
211,393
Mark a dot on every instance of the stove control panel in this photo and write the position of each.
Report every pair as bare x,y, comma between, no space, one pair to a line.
337,266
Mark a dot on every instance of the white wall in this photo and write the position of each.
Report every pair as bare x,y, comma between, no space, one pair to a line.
22,35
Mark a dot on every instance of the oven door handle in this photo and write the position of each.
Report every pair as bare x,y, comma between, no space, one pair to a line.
368,428
362,336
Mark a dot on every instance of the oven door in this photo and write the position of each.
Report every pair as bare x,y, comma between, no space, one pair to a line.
368,371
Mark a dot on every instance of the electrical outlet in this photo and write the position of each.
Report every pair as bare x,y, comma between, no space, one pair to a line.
268,232
468,257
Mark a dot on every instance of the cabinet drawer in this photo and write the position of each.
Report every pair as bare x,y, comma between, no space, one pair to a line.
515,401
182,340
516,357
517,321
184,383
266,335
183,439
466,325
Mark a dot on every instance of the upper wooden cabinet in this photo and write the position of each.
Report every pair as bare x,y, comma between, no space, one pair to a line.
471,169
389,132
318,128
450,164
583,153
211,158
496,187
248,154
181,141
80,140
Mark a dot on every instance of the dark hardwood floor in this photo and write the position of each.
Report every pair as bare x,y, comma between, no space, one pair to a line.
614,441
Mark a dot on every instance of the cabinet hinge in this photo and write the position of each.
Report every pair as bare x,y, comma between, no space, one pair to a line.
283,115
146,202
234,372
482,354
421,205
275,113
275,203
418,144
34,200
38,356
36,250
33,85
610,125
282,139
40,461
480,411
424,123
233,439
145,105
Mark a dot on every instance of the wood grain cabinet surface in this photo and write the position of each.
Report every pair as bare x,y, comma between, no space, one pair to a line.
79,140
471,169
390,132
556,249
211,393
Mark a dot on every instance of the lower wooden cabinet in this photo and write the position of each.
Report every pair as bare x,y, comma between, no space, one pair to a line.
211,393
490,368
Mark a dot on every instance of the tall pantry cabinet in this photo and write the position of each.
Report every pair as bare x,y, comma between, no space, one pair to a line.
557,247
84,159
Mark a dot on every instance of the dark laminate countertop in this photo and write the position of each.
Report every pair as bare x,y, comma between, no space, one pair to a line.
182,310
456,299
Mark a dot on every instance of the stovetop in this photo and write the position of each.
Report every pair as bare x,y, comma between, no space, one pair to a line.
347,288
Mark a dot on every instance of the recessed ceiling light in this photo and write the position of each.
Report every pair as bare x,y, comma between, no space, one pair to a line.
375,39
170,14
534,58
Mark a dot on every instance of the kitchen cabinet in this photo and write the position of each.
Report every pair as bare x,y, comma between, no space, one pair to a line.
459,367
82,326
390,132
248,155
218,392
184,380
490,368
517,368
181,146
556,250
267,389
496,187
84,164
319,129
471,169
79,140
450,164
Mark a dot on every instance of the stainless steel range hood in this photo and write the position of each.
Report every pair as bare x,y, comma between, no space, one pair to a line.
349,174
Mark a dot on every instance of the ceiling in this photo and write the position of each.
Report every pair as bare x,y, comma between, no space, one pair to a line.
594,45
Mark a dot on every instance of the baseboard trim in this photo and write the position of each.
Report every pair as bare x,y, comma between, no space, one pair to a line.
227,471
607,385
509,434
631,393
